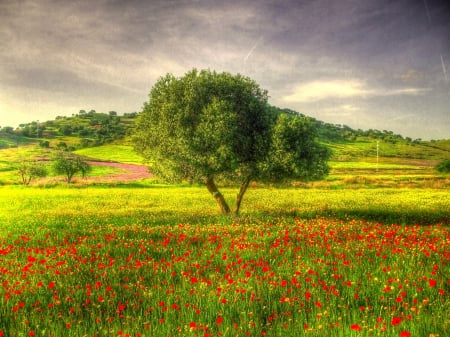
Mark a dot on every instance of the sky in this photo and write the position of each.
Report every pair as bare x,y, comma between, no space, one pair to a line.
367,64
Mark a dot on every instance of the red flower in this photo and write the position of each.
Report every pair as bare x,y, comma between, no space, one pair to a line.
405,334
396,321
219,320
31,333
355,327
51,285
432,283
192,325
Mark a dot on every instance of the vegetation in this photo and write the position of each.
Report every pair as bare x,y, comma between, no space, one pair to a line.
363,252
69,164
112,152
28,170
444,166
144,262
90,128
207,126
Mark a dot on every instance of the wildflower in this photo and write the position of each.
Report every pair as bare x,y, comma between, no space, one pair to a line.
219,320
355,327
405,334
396,320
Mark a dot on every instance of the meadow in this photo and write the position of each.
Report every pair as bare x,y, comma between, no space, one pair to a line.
156,260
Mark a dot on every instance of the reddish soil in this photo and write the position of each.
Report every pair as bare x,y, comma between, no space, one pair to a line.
128,172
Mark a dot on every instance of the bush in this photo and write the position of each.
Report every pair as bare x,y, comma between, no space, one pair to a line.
443,166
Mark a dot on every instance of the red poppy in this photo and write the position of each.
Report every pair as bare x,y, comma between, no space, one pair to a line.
355,327
396,320
219,320
405,334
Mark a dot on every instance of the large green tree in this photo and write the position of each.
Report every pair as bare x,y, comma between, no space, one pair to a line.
206,127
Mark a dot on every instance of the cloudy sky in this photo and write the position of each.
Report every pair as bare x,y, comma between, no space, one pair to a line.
380,64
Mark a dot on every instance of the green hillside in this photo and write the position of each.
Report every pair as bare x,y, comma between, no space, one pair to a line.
84,129
360,158
112,152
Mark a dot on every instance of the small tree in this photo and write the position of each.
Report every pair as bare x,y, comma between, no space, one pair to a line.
206,126
29,170
443,166
69,164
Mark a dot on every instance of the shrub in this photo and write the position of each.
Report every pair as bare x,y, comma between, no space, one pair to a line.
443,166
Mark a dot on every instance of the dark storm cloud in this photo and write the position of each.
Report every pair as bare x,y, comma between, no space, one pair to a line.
361,63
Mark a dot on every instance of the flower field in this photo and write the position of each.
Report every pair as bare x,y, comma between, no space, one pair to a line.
147,262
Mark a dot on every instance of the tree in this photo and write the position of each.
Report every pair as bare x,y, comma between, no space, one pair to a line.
28,170
69,164
8,130
206,126
443,166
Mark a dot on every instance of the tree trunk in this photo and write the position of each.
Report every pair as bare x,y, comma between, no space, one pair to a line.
212,188
240,195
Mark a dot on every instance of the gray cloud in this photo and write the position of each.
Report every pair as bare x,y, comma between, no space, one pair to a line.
58,57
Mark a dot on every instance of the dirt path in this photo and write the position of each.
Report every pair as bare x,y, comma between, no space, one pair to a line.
128,172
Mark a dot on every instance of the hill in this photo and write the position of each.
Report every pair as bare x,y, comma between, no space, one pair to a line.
368,158
84,129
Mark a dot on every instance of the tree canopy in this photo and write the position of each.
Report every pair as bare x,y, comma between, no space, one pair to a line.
206,127
69,164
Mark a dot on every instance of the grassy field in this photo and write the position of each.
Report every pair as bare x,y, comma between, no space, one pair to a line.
353,172
364,252
117,153
159,261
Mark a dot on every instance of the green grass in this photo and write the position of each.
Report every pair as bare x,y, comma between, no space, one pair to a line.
118,153
367,148
372,166
159,261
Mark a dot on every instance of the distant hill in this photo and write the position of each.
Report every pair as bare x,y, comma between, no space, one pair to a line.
88,129
351,144
360,159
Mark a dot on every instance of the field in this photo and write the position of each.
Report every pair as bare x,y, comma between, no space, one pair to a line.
158,261
365,252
